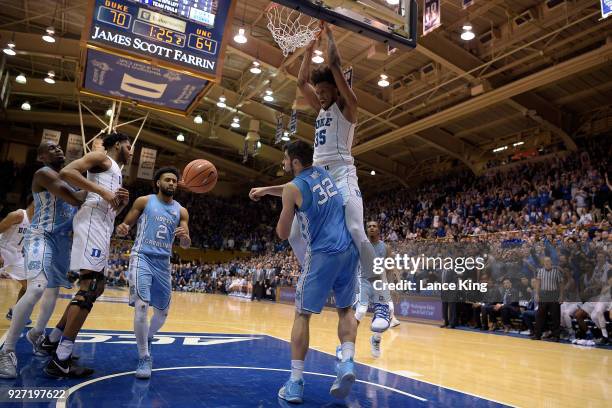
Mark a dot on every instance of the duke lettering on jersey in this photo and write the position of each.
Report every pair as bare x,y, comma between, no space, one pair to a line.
156,227
321,215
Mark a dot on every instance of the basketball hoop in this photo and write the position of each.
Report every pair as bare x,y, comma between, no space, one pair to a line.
290,28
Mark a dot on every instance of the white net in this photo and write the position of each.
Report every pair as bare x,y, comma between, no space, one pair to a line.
290,28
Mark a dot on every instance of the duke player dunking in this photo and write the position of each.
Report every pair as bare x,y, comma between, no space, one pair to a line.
330,95
46,245
93,226
12,233
329,265
160,220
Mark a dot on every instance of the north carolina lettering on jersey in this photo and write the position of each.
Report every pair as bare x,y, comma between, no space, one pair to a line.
165,220
158,244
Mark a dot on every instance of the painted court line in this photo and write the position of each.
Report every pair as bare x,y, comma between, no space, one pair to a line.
416,379
72,390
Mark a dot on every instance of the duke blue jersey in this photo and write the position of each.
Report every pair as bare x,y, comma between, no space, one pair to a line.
156,227
333,138
321,215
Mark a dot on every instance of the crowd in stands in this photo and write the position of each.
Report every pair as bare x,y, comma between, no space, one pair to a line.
255,277
536,217
571,190
13,179
537,221
233,224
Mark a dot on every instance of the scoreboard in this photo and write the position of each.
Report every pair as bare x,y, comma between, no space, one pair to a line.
200,11
170,40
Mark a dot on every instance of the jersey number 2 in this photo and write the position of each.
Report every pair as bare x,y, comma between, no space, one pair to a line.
162,232
326,192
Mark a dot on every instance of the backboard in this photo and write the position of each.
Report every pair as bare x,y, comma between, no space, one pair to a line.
395,25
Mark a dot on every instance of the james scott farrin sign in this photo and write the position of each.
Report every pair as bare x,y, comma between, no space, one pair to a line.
118,77
163,32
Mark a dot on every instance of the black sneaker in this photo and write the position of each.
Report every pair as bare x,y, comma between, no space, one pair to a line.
45,347
66,369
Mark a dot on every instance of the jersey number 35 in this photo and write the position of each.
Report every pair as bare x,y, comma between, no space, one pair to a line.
320,137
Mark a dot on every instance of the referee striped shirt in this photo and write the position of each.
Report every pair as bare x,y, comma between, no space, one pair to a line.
550,279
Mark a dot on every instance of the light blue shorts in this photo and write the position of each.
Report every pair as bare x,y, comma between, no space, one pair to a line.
324,273
50,254
150,280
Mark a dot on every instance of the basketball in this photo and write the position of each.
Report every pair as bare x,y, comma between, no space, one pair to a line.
199,176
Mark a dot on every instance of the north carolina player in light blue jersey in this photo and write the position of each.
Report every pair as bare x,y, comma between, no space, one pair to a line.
160,220
329,265
46,247
367,295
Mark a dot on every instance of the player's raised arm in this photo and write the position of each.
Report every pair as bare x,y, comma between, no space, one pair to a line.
49,180
335,64
132,216
73,174
303,81
182,231
291,198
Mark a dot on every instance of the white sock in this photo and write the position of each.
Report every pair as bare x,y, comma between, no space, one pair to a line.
377,336
47,305
392,309
348,351
157,321
64,350
141,327
55,335
297,370
22,311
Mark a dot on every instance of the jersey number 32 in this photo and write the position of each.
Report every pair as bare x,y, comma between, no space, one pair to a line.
326,190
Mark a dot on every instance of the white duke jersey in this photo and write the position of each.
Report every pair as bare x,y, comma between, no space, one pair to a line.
11,242
110,179
93,224
333,138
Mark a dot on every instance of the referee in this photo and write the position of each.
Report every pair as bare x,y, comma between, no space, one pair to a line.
549,294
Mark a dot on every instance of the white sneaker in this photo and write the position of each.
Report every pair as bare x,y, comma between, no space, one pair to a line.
382,318
375,343
394,322
8,364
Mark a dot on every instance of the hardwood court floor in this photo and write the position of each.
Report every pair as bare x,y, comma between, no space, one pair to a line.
509,370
